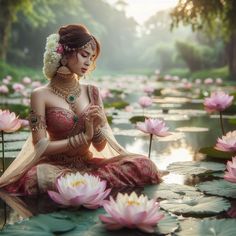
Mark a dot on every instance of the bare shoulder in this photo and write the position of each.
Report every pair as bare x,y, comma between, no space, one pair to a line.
40,92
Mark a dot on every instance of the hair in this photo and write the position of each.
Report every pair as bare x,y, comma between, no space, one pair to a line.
75,36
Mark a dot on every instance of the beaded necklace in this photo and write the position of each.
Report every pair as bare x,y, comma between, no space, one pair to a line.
68,91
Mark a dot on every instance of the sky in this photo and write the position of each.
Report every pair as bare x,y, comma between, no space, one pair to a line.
141,10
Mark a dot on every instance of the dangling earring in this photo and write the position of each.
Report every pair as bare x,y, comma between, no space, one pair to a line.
63,71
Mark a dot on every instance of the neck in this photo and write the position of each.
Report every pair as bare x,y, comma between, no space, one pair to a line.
66,80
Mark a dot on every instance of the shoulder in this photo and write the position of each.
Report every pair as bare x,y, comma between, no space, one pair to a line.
39,92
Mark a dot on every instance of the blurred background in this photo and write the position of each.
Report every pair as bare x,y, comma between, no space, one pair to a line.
184,38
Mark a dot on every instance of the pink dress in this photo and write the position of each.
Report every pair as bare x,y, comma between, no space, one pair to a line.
120,171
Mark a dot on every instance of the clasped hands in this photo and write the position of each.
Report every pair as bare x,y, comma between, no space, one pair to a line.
94,119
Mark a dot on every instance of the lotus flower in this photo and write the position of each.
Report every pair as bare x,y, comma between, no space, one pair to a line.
75,189
26,80
227,143
208,81
153,126
4,89
148,89
18,87
218,101
8,121
230,175
145,101
131,212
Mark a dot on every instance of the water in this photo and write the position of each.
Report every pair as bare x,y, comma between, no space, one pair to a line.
192,127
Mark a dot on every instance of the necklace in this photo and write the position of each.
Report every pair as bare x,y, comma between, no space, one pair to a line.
67,90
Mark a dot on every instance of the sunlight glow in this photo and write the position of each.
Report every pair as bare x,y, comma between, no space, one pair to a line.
141,10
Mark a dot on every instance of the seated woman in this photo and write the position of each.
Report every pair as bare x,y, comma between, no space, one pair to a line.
69,128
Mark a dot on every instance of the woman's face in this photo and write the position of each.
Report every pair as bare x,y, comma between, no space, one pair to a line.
80,62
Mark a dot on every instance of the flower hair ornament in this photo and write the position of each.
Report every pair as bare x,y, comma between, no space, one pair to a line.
52,55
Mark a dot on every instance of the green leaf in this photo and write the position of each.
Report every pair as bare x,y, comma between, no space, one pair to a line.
136,119
212,152
170,191
194,167
197,205
208,227
219,188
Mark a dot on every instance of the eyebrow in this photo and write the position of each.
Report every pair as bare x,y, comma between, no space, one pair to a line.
88,52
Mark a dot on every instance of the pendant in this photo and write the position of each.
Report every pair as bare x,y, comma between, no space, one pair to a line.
71,98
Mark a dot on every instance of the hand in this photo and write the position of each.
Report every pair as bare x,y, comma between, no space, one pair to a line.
98,116
89,129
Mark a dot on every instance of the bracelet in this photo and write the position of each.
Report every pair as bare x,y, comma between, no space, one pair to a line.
98,137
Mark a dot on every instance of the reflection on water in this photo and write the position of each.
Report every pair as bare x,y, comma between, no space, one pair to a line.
174,179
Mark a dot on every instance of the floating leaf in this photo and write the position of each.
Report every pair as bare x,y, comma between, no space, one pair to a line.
218,187
208,227
194,167
198,205
170,191
43,224
212,152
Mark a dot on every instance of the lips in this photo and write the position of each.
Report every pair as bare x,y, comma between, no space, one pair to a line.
84,70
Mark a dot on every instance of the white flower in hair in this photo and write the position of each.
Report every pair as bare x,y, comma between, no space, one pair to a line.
52,55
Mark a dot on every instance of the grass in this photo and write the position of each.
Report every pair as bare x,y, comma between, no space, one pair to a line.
18,73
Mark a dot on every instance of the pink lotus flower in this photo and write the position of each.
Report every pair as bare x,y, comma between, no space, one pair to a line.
208,81
218,101
148,89
230,175
24,123
219,81
26,80
8,121
105,93
75,189
227,143
153,126
145,101
4,89
131,212
129,108
18,87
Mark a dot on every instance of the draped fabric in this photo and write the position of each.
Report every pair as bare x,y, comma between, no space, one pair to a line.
32,172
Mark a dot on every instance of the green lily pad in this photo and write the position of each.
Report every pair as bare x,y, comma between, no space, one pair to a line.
232,121
171,191
43,224
212,152
136,119
194,167
197,205
167,225
208,227
218,187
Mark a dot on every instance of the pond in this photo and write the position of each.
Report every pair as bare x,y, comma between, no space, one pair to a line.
179,193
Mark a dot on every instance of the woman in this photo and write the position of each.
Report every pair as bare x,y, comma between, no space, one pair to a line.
69,128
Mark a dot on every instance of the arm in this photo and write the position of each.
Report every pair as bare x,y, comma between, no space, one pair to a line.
38,127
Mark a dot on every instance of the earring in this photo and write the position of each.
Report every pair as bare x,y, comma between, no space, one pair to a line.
63,71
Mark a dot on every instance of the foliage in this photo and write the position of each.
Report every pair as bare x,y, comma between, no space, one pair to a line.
18,73
195,56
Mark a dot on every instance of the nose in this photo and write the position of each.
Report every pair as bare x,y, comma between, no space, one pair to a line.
88,62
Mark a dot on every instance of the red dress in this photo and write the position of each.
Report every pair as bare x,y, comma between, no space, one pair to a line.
120,171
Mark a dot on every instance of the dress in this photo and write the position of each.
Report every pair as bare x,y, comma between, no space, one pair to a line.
119,171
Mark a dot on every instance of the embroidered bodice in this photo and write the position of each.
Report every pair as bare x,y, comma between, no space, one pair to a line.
62,122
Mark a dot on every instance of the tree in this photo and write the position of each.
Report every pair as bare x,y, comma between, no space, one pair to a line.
218,16
9,10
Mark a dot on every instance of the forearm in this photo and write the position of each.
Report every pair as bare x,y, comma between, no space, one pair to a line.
73,144
99,141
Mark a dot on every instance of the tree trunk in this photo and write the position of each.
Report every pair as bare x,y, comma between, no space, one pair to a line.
232,55
6,36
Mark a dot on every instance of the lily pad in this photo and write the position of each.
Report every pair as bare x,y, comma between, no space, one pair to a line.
208,227
167,225
194,167
218,187
171,191
43,224
212,152
197,205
